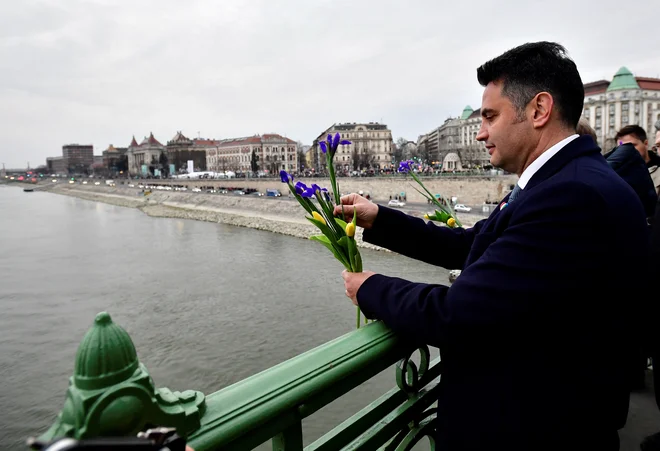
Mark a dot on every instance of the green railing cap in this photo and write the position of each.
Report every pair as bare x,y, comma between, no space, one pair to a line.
112,394
106,356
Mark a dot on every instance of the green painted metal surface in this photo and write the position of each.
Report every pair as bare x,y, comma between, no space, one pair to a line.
111,393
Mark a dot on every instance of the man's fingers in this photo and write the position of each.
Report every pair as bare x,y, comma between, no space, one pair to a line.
349,199
344,274
346,210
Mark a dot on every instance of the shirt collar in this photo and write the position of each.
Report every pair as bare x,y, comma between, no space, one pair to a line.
537,164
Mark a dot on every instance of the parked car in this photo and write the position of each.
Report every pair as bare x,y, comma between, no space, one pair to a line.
462,208
257,193
396,203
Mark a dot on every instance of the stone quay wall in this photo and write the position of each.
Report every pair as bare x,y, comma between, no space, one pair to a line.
468,189
278,215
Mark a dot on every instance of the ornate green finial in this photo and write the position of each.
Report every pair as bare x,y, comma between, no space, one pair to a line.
112,394
106,355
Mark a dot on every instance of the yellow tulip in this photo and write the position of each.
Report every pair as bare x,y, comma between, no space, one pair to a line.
350,229
318,217
451,222
426,216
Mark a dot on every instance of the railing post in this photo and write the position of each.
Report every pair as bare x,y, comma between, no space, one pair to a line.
291,439
111,392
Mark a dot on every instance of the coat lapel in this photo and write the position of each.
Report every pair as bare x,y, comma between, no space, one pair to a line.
581,145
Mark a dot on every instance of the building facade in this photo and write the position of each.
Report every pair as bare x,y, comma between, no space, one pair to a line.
79,157
371,147
626,100
181,149
453,146
57,165
112,157
144,158
271,153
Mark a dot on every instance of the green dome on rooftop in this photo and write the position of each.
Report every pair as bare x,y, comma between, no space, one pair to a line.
623,79
467,111
105,357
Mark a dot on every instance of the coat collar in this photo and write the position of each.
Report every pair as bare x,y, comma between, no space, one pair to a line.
583,145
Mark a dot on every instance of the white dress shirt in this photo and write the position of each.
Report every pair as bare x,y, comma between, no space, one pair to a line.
537,164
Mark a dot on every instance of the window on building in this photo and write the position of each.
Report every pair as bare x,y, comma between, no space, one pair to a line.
624,95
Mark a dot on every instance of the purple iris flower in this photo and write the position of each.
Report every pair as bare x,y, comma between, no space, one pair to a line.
300,188
286,177
308,193
405,166
304,190
332,143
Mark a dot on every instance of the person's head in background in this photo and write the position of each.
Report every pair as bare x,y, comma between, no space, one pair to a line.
635,135
583,128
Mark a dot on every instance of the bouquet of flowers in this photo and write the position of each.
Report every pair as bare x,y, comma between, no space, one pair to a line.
336,234
443,213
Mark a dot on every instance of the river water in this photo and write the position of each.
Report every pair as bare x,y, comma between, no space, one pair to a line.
205,304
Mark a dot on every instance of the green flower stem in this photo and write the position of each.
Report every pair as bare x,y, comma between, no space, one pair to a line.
333,181
329,217
446,208
307,208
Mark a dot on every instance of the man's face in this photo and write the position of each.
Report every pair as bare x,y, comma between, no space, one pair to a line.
507,138
641,146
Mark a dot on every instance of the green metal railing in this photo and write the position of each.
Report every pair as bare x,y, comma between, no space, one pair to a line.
112,393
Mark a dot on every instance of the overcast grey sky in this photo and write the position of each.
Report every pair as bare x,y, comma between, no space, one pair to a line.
74,71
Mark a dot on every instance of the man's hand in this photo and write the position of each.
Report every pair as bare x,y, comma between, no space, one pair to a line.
366,210
353,281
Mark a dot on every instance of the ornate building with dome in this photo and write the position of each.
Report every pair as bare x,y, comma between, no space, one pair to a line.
626,100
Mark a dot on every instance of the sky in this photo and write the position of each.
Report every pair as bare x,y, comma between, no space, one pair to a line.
100,71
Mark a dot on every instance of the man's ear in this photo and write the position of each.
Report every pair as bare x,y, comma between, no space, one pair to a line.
542,106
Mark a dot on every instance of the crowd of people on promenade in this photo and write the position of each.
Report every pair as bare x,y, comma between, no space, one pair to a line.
541,344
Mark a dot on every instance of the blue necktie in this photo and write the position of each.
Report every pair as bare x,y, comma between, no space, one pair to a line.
516,191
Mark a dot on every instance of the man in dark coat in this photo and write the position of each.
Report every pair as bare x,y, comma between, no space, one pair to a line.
535,335
629,164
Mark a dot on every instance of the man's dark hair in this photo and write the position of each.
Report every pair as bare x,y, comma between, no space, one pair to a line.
538,67
635,130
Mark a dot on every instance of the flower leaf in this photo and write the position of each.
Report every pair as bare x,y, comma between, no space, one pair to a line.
343,242
341,223
352,254
338,251
358,261
326,242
